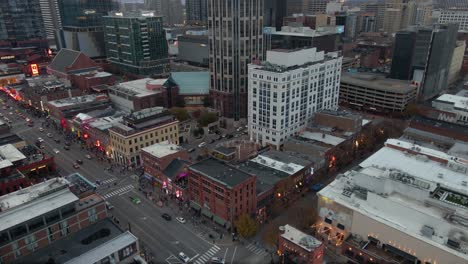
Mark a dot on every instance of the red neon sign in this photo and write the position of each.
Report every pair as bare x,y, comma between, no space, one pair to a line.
34,69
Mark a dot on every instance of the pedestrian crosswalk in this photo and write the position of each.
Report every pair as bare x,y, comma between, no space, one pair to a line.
208,255
110,180
256,250
118,191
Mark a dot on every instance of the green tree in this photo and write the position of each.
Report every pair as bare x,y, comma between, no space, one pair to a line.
246,226
206,118
180,113
180,102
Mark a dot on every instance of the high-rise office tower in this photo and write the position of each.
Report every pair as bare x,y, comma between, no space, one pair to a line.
196,11
275,11
235,39
423,55
51,18
312,7
21,20
154,5
378,8
294,7
82,25
136,42
172,12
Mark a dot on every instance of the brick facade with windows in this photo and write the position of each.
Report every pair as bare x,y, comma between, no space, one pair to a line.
221,192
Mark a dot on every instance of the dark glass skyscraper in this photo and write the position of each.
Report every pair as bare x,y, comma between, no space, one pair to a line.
275,11
21,20
82,25
423,55
196,11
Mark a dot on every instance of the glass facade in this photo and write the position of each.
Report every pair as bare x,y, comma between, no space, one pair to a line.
85,13
21,20
136,44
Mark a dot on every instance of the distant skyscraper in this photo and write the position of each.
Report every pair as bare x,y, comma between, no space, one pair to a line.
423,55
154,5
455,16
142,50
21,20
235,39
172,12
294,7
196,11
51,18
275,11
82,25
312,7
376,7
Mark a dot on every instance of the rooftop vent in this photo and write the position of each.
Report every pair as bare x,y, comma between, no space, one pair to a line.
427,231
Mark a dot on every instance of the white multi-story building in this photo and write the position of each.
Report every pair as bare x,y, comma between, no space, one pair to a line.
404,204
455,16
457,104
286,89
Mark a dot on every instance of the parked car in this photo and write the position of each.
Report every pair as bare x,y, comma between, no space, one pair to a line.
184,257
180,219
316,187
166,216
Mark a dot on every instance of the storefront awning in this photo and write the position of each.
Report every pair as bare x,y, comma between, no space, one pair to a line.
194,205
206,213
219,220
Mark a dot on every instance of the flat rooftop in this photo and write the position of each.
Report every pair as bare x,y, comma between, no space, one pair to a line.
407,192
105,123
220,172
458,102
9,154
281,161
71,249
77,100
378,82
300,238
323,137
267,176
162,149
138,88
192,83
36,200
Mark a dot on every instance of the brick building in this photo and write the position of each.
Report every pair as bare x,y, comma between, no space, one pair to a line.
85,81
67,61
295,246
165,164
69,107
98,133
34,217
221,192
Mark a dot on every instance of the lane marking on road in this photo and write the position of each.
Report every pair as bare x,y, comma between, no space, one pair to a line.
225,253
232,259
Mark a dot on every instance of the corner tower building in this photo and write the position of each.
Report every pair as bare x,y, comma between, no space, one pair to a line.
235,39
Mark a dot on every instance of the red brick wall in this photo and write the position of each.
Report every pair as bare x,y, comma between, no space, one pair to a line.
82,62
314,257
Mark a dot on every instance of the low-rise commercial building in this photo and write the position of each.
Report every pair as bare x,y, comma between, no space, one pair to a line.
141,129
374,92
406,202
68,61
139,94
299,247
97,131
194,49
69,107
221,191
455,104
34,217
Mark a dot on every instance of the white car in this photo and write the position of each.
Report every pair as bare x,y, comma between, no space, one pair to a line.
49,135
40,140
184,257
56,151
201,145
41,129
180,219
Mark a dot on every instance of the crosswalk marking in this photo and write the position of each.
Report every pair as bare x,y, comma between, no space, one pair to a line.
208,255
118,191
256,250
108,181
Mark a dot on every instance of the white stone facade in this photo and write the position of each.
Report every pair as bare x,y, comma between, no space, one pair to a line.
287,89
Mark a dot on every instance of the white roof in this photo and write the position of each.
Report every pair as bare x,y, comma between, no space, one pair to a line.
105,122
106,249
28,203
287,167
322,137
404,190
76,100
9,154
459,102
299,238
139,86
162,149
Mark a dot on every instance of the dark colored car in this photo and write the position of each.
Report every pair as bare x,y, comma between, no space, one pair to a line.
57,140
229,136
67,143
79,161
66,147
166,216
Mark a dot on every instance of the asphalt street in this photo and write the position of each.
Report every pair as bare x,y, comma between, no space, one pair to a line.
163,239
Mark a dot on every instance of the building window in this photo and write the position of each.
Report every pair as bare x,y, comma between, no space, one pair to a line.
14,245
92,216
50,234
340,226
328,220
64,228
31,242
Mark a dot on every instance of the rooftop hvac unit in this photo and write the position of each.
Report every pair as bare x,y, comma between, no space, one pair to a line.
427,231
